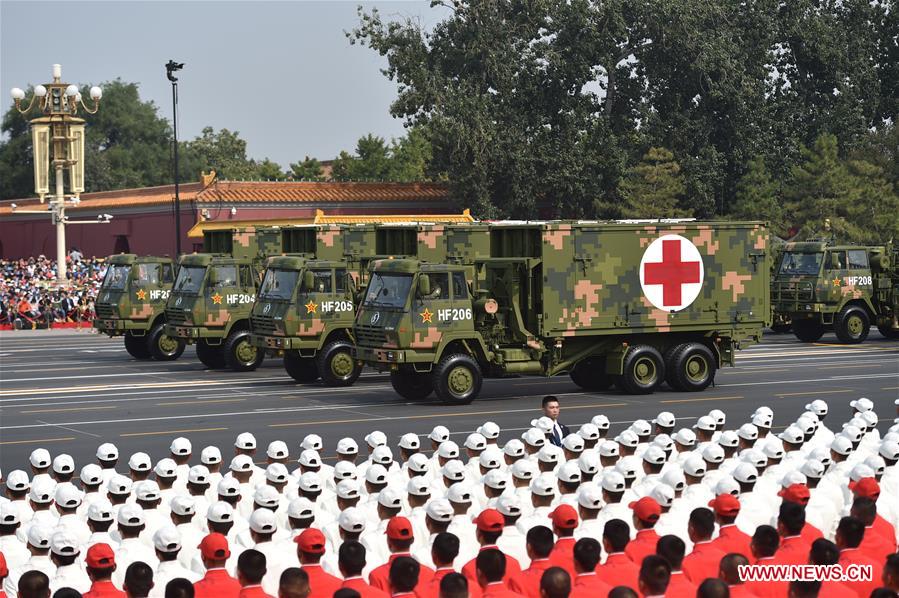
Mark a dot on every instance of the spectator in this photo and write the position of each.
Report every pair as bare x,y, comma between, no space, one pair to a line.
793,549
890,577
100,565
66,593
310,549
555,583
586,557
703,561
179,588
850,533
250,571
729,572
618,568
655,575
454,585
825,552
351,562
491,567
712,588
672,548
403,576
294,583
539,544
138,580
217,583
764,545
443,552
622,592
34,584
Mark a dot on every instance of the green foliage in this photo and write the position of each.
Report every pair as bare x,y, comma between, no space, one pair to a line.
404,160
758,197
309,169
653,188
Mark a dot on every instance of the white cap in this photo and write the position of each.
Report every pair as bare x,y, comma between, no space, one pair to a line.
183,506
755,457
310,458
628,438
100,511
807,425
198,474
841,445
167,539
309,482
63,464
745,473
851,432
793,434
351,520
762,420
220,512
870,418
793,477
514,448
509,506
764,410
382,454
609,448
210,455
590,496
9,514
40,458
569,472
589,463
489,430
165,468
544,424
376,474
663,441
860,471
410,442
228,487
301,508
140,462
241,463
376,438
67,496
685,437
496,479
727,485
391,498
245,441
534,437
706,423
818,407
729,439
862,404
543,485
147,490
42,490
524,469
459,493
665,419
748,432
641,427
439,434
18,480
131,514
453,470
549,453
712,453
718,416
491,458
417,463
440,509
39,536
875,462
613,482
628,467
107,452
348,489
812,468
601,422
277,473
654,455
266,496
448,450
344,470
588,432
573,443
418,486
347,446
312,442
180,446
262,521
889,449
674,478
91,474
695,465
662,494
277,449
475,442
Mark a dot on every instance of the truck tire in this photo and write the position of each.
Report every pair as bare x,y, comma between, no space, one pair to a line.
887,331
644,370
163,347
239,354
301,369
690,367
781,328
411,385
590,374
336,364
136,346
210,355
457,379
852,325
808,331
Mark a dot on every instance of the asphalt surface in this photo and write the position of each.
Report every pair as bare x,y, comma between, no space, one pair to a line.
70,391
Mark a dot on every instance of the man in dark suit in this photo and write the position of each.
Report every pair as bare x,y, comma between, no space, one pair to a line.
551,409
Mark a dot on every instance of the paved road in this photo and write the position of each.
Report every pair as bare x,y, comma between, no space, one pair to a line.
70,391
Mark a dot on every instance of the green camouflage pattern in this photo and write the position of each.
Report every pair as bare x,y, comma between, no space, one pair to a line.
133,294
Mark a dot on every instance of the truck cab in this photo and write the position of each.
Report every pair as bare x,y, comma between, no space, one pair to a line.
131,304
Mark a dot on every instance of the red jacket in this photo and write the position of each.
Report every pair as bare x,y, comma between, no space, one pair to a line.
527,583
793,550
619,570
365,590
884,528
703,562
217,584
768,589
254,592
876,546
834,589
498,589
730,539
642,546
380,576
589,585
854,556
810,533
563,555
679,586
740,591
470,570
321,583
104,589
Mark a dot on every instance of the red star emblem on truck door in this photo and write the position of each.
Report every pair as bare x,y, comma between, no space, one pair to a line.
141,294
671,272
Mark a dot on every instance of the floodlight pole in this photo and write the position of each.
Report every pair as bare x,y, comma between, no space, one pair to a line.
170,68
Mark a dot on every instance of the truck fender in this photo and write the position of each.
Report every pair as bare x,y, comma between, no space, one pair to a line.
473,346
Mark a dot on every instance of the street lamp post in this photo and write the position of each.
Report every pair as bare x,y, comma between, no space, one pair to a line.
63,132
171,68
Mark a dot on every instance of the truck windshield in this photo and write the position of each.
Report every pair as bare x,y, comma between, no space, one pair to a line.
224,275
801,263
189,279
388,290
147,275
279,284
116,277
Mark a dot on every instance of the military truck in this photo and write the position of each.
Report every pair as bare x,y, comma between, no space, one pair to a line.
210,302
131,304
825,286
631,303
306,307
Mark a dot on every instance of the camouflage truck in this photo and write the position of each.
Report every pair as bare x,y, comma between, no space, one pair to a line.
210,302
131,304
824,286
630,303
306,307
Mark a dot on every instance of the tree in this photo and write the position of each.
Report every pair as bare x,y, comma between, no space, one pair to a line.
309,169
653,188
223,151
758,197
266,170
410,157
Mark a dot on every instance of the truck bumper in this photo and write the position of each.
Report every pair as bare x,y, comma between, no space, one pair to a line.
386,358
191,333
281,343
120,327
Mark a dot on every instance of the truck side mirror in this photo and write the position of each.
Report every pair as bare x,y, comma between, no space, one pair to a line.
835,261
351,284
308,281
424,285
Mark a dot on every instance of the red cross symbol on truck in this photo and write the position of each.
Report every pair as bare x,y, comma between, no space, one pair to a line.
671,272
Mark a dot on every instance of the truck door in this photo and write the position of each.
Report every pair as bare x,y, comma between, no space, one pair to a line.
836,271
433,314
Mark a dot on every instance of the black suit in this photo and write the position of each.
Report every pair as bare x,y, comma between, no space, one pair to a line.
553,439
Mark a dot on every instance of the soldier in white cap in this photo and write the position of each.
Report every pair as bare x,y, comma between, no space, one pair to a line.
220,519
418,465
167,543
490,431
389,505
373,440
263,528
704,428
446,451
512,541
613,495
40,462
534,439
418,493
63,469
589,465
437,435
100,518
68,499
310,488
474,445
438,515
245,444
643,430
347,450
602,424
589,434
40,497
131,525
568,479
198,487
351,525
90,479
409,445
300,516
513,450
183,515
180,451
166,479
453,471
543,498
118,492
713,456
149,498
17,487
277,452
653,460
549,458
763,419
495,486
664,423
523,472
107,457
241,470
211,457
38,544
11,546
753,505
347,497
140,467
628,442
609,452
572,447
64,553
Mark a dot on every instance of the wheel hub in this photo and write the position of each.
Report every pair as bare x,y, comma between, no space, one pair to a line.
167,344
342,365
854,325
460,380
697,368
246,352
645,371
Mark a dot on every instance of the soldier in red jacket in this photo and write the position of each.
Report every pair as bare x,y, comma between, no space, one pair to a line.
703,562
351,562
539,543
310,549
730,538
403,576
214,553
491,567
293,583
250,571
850,533
100,562
618,570
646,514
671,548
555,583
586,583
729,572
655,575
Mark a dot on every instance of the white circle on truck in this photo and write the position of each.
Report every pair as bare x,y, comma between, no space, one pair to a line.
671,272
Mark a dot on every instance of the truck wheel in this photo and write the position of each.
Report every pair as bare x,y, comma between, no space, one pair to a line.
336,365
781,328
411,385
808,331
162,346
210,355
457,379
301,369
644,369
590,374
240,355
852,325
136,346
888,331
690,367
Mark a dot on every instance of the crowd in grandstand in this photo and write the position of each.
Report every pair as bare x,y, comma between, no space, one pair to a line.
30,298
656,509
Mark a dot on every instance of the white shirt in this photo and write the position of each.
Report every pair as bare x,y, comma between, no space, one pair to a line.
70,576
40,563
512,543
14,551
132,550
166,572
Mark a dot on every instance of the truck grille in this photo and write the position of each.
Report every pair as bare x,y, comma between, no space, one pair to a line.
105,311
175,316
262,324
371,336
793,292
